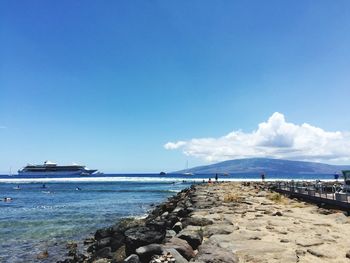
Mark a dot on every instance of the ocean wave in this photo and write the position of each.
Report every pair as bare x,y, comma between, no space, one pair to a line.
141,180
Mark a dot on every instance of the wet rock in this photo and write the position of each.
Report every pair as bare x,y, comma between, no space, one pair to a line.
102,233
132,259
181,246
141,236
43,255
194,238
89,241
104,242
79,258
117,241
146,252
105,252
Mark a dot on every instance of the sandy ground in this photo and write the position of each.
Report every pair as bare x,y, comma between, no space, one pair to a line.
259,226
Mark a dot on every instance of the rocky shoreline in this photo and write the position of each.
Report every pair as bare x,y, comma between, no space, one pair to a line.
224,222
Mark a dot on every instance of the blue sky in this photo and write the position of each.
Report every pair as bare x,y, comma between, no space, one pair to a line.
109,83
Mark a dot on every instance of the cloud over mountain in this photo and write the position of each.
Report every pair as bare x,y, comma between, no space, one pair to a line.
275,138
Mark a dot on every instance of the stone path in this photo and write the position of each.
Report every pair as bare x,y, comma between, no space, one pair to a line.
258,226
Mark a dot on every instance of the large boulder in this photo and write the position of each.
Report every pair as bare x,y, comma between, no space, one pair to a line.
177,227
181,246
145,253
105,252
141,236
194,238
103,233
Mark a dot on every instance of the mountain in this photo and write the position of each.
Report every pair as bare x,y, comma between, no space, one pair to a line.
268,166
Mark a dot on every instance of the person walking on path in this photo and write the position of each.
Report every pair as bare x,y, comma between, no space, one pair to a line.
263,177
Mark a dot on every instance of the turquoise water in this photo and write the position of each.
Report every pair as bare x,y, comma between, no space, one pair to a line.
45,218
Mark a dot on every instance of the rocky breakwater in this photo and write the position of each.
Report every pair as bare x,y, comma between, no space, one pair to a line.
168,234
225,222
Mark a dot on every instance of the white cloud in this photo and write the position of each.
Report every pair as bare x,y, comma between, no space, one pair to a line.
275,138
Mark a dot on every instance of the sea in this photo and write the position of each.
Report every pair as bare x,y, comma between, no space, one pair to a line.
47,212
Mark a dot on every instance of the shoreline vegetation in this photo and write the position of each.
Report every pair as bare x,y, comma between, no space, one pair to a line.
222,222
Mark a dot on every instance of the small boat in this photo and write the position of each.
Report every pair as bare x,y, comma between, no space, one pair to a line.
188,174
17,188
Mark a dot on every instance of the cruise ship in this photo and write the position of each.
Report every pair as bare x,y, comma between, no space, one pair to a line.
50,168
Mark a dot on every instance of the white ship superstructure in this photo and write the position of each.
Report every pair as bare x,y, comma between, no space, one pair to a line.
50,168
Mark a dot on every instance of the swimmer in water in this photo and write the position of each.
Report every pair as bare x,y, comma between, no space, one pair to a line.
78,188
7,199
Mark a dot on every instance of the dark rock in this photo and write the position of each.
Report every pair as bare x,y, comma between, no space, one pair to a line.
117,241
102,233
194,238
79,258
196,221
141,236
104,242
178,257
181,246
159,225
171,220
126,224
177,227
278,213
105,252
132,259
146,252
347,254
92,248
89,241
210,253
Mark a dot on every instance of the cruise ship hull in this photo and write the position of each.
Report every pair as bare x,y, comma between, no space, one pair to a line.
56,173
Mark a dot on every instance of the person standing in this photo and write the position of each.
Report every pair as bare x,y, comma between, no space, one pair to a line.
216,177
263,177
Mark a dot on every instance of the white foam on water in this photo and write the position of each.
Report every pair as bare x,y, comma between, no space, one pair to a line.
141,179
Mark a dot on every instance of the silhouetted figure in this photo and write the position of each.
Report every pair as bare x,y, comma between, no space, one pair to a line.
216,177
336,176
263,177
